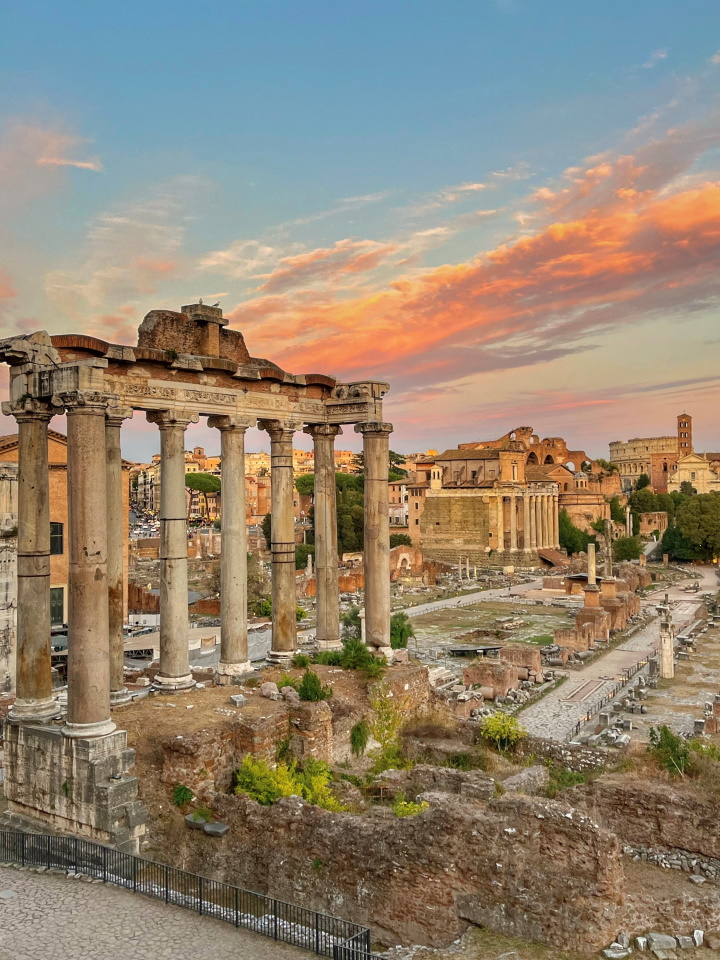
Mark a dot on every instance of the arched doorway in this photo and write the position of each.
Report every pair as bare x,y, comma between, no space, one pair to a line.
532,458
548,459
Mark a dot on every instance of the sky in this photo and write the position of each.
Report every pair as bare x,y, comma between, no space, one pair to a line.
507,209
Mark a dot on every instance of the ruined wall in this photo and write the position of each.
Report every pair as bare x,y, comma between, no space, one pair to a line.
570,755
455,523
497,674
523,655
519,865
652,813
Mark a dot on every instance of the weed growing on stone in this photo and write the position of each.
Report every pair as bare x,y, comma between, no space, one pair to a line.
311,688
502,731
181,795
255,779
301,660
561,778
407,808
359,736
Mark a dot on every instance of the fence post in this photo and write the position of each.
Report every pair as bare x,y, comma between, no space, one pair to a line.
134,863
275,916
105,853
200,880
237,918
317,933
167,892
22,848
75,854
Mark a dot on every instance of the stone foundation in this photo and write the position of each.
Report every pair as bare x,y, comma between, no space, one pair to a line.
496,674
79,786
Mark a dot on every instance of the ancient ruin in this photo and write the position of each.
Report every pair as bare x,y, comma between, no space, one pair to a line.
185,365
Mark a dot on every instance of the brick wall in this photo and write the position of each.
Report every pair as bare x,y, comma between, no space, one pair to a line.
496,674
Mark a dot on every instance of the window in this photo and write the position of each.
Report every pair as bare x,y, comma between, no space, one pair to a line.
417,522
57,606
692,475
56,542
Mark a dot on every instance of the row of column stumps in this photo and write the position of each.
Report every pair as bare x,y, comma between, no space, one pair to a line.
95,601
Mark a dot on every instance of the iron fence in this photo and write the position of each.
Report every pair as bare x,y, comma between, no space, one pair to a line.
317,932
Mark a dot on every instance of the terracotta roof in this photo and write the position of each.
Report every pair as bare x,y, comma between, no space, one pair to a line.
469,455
11,439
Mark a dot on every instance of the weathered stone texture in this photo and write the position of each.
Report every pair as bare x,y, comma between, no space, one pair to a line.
653,814
523,655
176,332
496,674
469,784
67,783
520,866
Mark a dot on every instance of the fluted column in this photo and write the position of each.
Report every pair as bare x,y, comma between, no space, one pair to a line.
284,603
526,523
33,675
88,707
556,520
376,559
326,547
174,672
114,418
541,520
234,659
513,523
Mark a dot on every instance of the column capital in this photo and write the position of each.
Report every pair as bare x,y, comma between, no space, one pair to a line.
83,400
280,429
231,422
374,428
167,419
114,416
328,430
29,409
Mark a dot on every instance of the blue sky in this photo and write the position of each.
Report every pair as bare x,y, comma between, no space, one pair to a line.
347,161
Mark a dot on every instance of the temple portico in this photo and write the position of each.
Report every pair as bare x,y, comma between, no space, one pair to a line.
185,366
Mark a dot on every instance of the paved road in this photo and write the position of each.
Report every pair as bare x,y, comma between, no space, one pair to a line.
55,918
471,598
555,717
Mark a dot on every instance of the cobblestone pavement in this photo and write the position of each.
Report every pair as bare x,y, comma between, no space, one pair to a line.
553,717
52,917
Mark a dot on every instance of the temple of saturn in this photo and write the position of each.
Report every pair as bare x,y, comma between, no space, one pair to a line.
68,765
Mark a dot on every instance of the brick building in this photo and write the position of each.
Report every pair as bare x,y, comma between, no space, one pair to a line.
655,456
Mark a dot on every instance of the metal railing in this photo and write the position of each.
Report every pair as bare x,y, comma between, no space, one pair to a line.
628,674
320,934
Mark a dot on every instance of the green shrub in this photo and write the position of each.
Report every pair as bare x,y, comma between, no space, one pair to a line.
311,688
300,614
255,779
407,808
329,658
301,660
359,736
203,813
287,680
670,750
561,778
263,608
375,667
502,731
401,630
355,655
400,540
181,795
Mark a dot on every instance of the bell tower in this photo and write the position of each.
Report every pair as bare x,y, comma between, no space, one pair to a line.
684,434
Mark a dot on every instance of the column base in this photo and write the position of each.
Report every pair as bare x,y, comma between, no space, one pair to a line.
281,656
35,711
118,697
88,731
170,684
386,652
329,645
229,673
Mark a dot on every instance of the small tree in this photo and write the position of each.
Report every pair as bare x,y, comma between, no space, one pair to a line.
351,622
266,527
311,688
698,519
617,513
305,484
502,731
627,548
401,629
687,489
359,737
302,552
387,716
400,540
204,483
572,538
642,481
670,750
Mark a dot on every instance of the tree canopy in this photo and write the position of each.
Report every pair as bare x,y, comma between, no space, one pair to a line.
627,548
617,513
202,482
698,519
400,540
678,547
642,481
572,538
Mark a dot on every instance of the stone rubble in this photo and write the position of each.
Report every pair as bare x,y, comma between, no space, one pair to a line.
701,868
662,945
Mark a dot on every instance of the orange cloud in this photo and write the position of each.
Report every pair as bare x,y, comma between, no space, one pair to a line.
327,263
626,247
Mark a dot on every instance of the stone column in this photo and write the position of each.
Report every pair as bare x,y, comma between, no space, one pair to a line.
88,707
533,523
526,522
377,535
284,602
556,521
592,567
326,547
115,552
513,523
233,550
540,521
33,684
174,672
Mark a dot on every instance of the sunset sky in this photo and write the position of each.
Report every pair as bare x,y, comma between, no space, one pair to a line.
509,209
